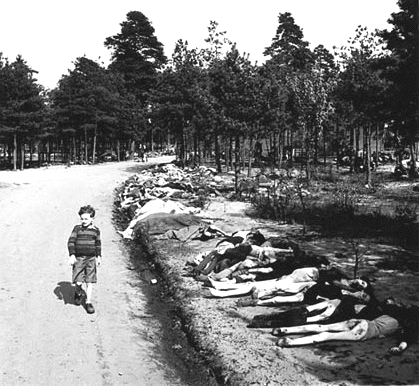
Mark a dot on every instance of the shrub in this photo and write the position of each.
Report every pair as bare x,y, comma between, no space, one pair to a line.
406,213
346,196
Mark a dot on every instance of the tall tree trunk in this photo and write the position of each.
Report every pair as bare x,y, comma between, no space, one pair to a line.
368,155
217,152
74,151
226,153
324,146
151,139
308,157
316,146
412,167
94,145
236,163
14,151
338,144
352,149
30,152
230,153
22,154
86,155
377,128
249,169
48,149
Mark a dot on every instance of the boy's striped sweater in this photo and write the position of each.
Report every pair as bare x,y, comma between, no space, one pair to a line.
85,241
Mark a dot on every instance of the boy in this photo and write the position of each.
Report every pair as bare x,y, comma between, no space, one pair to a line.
84,247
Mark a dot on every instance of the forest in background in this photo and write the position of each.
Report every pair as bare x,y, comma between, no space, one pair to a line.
214,103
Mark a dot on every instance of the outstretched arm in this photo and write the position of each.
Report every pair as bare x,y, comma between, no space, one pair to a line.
409,322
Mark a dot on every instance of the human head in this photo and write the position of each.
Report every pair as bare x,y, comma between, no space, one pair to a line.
393,301
363,285
87,214
359,284
363,296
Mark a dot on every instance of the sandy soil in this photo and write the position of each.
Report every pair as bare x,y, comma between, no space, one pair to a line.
44,338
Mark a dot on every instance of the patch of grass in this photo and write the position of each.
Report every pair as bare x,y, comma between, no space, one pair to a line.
340,210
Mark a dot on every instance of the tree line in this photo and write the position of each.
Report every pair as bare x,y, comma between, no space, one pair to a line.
215,103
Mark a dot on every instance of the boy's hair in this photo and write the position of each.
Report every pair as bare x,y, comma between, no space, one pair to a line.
87,209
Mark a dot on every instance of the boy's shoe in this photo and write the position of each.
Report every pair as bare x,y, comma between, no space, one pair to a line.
89,308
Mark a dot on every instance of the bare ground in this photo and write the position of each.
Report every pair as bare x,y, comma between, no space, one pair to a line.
44,338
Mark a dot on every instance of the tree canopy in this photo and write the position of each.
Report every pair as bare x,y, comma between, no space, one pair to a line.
214,102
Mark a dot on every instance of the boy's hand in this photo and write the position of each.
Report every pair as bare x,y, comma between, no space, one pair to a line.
98,260
72,259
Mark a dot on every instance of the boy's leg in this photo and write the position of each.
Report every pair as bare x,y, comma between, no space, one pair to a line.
78,293
89,290
77,279
90,280
89,306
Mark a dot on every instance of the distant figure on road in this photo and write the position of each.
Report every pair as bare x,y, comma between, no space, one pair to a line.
84,248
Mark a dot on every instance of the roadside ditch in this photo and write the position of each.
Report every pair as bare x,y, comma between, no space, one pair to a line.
176,347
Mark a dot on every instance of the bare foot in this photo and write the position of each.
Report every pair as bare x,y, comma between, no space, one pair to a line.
284,342
277,332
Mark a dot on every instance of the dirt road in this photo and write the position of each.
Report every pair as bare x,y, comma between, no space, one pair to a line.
44,338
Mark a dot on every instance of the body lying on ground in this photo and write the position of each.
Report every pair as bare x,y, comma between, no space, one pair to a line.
395,319
248,256
328,283
293,283
334,310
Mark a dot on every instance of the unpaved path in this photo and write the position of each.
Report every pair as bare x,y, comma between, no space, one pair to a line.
44,338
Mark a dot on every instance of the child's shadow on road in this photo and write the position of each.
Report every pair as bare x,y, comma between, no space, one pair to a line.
65,291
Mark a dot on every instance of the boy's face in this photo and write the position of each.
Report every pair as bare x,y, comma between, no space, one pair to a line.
86,219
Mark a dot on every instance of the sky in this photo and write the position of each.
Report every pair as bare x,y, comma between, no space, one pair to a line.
51,34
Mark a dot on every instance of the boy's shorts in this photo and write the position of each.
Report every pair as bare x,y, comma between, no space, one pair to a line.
84,270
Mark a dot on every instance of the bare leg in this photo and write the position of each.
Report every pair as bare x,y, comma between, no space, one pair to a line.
281,299
310,339
317,328
245,290
89,290
227,285
352,330
221,285
330,307
284,287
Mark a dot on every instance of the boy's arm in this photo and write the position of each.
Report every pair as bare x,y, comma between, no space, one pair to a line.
71,244
98,244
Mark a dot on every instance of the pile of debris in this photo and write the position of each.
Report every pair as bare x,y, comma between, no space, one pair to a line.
164,198
170,190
